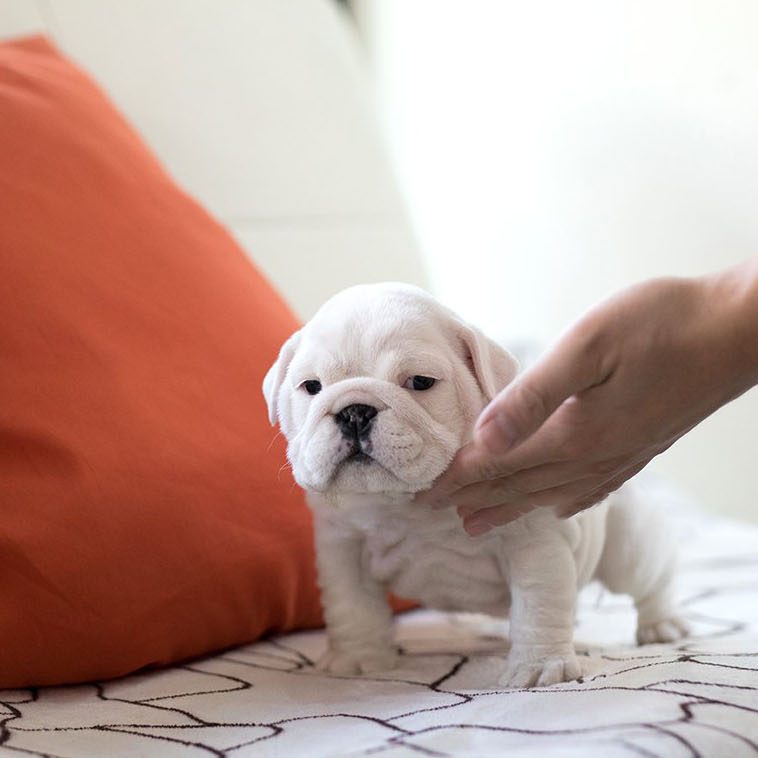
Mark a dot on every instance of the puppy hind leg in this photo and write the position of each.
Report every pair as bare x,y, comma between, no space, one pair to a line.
639,559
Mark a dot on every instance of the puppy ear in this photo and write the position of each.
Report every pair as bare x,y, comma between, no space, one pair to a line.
272,382
493,366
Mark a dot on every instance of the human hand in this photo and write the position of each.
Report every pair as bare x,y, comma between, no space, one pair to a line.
620,387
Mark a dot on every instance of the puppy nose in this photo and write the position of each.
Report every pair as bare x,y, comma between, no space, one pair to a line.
355,420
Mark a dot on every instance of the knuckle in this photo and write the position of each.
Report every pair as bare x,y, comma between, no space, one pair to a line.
614,486
573,509
530,406
590,335
580,504
604,468
489,469
595,342
498,493
585,499
511,488
618,482
595,498
452,479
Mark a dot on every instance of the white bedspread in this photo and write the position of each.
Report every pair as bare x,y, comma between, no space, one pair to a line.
696,698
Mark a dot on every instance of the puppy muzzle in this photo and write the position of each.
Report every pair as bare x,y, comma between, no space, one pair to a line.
363,421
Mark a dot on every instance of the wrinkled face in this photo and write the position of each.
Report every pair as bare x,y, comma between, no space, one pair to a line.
378,394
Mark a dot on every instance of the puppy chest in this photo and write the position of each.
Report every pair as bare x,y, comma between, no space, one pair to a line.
442,570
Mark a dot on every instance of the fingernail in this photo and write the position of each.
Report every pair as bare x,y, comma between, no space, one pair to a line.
476,527
484,417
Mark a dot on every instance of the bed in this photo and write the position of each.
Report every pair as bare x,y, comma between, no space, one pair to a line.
698,697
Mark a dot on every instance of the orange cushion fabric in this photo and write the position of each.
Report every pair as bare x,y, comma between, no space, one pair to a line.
146,513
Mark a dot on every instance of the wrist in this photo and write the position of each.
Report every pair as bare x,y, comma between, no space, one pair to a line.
734,294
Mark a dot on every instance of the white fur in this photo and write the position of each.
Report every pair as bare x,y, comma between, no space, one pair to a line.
362,345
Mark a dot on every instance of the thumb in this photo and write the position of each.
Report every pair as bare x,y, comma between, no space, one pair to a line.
525,404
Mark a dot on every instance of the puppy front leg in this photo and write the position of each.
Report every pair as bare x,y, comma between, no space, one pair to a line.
357,614
543,600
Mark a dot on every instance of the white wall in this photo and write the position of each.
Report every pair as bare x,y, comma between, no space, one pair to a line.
554,152
260,109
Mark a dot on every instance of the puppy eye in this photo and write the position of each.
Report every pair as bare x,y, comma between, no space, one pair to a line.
419,382
312,386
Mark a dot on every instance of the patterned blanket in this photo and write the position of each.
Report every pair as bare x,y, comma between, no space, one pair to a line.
694,698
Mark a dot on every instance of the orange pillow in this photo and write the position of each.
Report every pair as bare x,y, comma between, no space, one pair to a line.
146,513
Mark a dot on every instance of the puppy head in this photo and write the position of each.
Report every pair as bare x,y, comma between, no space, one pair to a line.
380,389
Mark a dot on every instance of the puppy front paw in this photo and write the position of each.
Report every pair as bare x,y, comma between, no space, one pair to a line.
359,660
525,671
669,629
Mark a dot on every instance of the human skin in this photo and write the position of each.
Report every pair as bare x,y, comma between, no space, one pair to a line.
624,383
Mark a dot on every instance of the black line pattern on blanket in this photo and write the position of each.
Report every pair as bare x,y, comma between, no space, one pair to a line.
703,699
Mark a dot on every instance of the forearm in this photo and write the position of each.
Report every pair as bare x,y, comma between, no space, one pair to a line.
355,605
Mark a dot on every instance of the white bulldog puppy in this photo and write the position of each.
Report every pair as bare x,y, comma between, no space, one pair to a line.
375,395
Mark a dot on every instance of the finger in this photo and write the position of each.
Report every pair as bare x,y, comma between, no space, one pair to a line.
599,494
522,407
568,511
474,464
522,483
471,464
483,520
547,447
